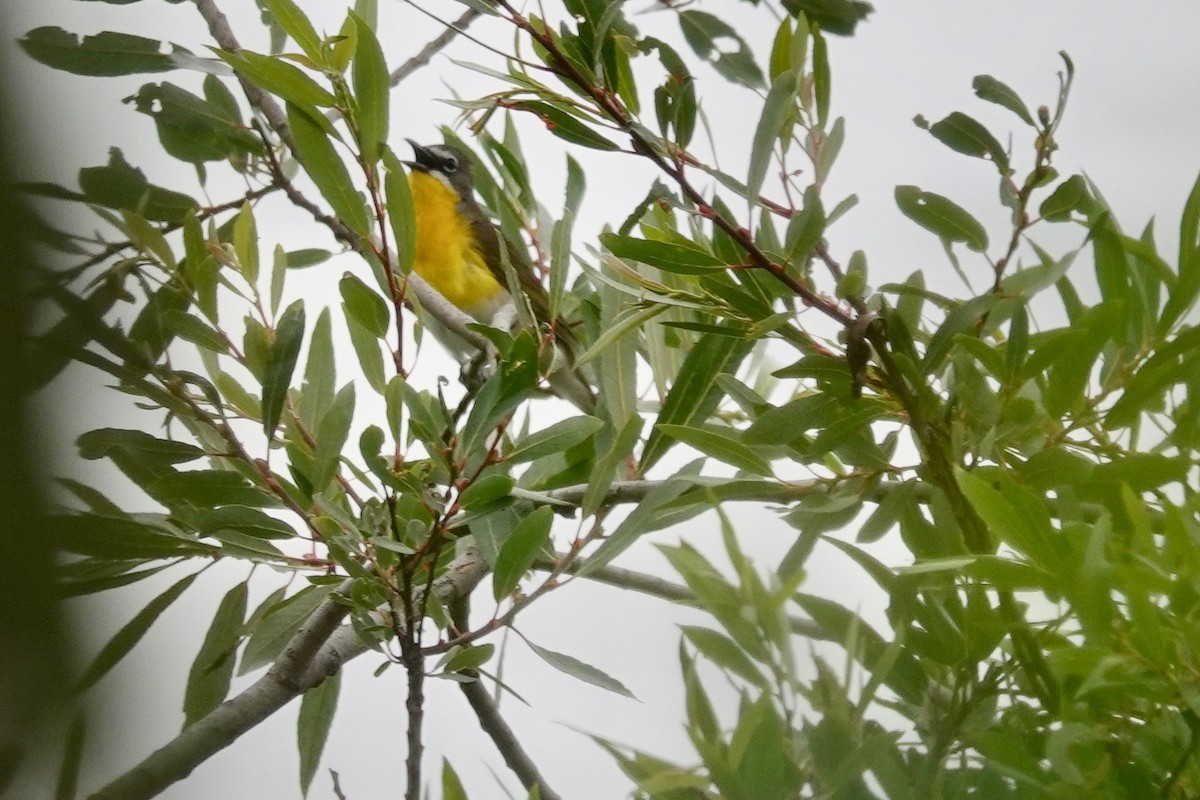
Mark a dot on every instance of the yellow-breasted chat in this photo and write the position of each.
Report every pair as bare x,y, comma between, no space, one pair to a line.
458,252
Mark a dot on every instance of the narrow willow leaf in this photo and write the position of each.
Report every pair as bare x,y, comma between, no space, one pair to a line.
578,669
281,362
565,125
724,446
327,169
709,37
988,88
105,54
556,438
667,256
400,212
245,242
365,306
212,670
777,109
371,91
331,437
275,623
822,76
519,551
124,640
452,787
317,709
279,78
68,774
292,19
966,135
941,216
695,394
1071,195
725,653
645,517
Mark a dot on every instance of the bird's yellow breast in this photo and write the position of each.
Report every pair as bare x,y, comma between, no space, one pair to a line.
447,255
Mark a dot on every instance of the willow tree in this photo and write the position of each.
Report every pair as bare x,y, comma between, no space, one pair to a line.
1029,444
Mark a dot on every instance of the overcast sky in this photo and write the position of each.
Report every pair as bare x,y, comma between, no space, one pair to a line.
1133,126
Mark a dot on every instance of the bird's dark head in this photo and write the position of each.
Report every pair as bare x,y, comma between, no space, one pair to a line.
448,164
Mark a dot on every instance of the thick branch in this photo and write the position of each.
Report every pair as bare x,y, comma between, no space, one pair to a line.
317,651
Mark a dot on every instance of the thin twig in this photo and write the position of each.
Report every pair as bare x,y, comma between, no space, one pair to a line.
430,50
502,735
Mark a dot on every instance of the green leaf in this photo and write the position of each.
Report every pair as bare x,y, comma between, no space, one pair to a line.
1017,516
778,108
400,212
1071,195
292,20
104,442
317,709
564,125
307,257
122,186
452,788
68,773
695,394
989,89
646,516
327,170
245,242
458,659
725,653
519,551
370,359
577,669
243,519
941,216
196,129
667,256
822,76
279,78
331,437
105,54
212,670
560,436
365,306
725,446
963,134
1143,472
320,373
125,639
710,36
608,463
281,362
1183,293
371,91
273,626
208,488
486,491
839,17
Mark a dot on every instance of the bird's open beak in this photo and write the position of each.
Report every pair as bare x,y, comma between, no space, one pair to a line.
425,159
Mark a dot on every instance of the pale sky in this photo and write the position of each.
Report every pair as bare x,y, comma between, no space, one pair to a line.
1133,126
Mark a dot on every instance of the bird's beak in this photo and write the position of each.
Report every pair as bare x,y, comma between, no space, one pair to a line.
425,159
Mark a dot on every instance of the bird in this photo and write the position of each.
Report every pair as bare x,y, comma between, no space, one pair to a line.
458,253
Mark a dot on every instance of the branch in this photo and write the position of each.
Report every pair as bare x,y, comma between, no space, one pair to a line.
318,650
667,590
430,50
285,680
506,741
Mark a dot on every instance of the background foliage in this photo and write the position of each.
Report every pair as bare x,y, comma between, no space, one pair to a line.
1031,448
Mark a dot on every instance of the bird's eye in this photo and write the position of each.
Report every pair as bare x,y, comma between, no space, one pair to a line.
450,163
